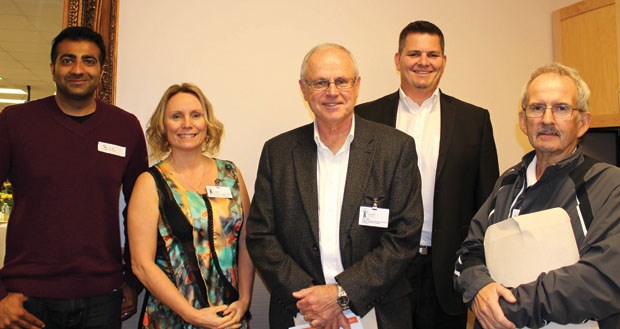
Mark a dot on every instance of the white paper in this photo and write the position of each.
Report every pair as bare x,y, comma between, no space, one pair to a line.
369,321
518,249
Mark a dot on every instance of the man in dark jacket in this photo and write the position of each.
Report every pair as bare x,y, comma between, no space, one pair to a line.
458,165
556,174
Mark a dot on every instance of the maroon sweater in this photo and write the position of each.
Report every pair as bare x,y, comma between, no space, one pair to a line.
63,238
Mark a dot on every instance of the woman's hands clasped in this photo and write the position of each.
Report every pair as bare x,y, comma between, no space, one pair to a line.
219,317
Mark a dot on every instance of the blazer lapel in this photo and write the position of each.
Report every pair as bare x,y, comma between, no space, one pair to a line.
361,157
304,163
392,109
448,113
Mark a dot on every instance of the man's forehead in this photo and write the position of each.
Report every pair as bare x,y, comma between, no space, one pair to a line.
552,79
77,47
416,36
331,62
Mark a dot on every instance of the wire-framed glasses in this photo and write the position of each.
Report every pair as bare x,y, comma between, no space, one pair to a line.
322,84
560,110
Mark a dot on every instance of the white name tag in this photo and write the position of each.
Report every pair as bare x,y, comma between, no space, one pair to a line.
111,149
377,217
219,192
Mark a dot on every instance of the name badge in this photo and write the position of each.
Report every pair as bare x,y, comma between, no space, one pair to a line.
111,149
219,192
372,216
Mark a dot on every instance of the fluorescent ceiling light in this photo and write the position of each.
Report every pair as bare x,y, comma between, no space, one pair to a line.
12,101
12,91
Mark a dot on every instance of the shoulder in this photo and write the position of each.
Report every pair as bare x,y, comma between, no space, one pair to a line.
604,174
451,102
387,138
377,103
29,109
117,113
226,165
125,125
378,129
146,180
292,137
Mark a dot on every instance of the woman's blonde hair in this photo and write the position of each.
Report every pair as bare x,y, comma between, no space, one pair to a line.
156,132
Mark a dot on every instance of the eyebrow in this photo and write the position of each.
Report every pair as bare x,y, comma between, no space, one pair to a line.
73,56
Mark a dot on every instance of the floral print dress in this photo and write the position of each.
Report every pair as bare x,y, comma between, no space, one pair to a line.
183,249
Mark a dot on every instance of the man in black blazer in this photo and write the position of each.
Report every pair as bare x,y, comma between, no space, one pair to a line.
337,211
457,161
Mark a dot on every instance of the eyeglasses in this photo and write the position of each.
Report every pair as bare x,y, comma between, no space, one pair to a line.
560,111
322,84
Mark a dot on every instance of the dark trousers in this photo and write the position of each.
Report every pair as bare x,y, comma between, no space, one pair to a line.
426,311
98,312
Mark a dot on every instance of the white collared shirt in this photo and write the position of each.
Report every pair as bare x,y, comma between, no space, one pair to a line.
423,123
331,173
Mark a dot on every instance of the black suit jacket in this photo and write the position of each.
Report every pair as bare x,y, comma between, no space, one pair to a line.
467,168
283,225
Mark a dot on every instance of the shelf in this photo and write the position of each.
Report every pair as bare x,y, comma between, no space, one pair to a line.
605,120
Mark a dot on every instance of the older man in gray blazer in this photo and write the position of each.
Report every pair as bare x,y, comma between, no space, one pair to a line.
337,210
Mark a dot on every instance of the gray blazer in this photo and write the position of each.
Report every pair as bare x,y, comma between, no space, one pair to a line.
283,229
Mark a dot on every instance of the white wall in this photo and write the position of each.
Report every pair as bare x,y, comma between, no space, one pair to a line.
245,55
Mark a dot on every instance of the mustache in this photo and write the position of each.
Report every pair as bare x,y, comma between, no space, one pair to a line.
548,130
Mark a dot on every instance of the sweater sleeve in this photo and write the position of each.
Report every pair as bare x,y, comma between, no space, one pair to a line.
138,163
5,160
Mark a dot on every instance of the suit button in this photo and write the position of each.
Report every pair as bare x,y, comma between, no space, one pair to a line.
315,248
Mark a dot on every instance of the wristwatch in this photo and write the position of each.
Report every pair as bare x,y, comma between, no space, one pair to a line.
343,298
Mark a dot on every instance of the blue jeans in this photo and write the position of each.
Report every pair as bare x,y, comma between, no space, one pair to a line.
97,312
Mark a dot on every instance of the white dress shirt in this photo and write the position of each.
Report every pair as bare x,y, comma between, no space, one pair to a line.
423,123
331,173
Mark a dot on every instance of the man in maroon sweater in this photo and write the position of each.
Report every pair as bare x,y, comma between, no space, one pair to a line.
68,156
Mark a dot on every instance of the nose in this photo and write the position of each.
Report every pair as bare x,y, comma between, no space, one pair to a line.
424,59
77,67
187,122
331,88
547,116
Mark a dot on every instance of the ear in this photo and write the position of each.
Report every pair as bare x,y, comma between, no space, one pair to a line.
583,123
52,68
397,61
523,122
302,86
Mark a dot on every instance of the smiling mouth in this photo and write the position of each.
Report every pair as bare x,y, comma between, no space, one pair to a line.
186,135
423,71
334,104
81,81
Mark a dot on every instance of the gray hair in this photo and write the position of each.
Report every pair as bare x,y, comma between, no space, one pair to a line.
583,92
304,64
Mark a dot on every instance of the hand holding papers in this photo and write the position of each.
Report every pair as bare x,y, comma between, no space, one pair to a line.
518,249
